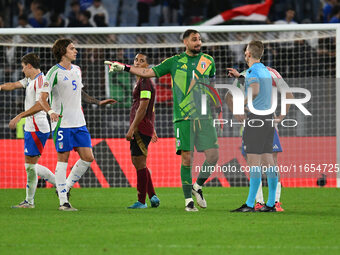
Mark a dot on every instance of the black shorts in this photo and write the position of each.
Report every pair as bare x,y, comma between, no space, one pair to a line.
139,144
258,138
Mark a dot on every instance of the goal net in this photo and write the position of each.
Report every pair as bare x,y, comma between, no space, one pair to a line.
305,56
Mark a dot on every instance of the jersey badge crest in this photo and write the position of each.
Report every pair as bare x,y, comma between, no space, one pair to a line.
203,64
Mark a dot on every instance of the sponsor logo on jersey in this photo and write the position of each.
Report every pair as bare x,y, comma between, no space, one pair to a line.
26,150
275,147
65,79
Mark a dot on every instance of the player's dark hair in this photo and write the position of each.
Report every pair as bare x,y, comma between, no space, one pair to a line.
144,54
59,48
31,58
256,49
189,32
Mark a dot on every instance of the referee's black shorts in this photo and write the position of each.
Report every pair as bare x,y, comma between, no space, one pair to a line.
139,145
258,134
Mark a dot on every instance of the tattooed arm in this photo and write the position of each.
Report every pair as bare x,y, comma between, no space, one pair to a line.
91,100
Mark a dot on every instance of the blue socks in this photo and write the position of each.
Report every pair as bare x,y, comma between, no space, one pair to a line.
255,180
272,180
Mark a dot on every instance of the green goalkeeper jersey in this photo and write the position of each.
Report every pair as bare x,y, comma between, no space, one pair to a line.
191,77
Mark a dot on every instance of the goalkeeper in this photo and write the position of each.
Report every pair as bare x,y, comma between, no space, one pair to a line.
192,72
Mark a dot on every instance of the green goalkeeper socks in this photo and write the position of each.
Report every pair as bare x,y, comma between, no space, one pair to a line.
186,180
204,173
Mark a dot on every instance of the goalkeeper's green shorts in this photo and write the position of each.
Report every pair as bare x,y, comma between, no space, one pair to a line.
195,133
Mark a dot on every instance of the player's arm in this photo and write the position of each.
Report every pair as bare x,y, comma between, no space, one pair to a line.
228,98
142,72
233,73
11,86
86,98
140,114
31,111
256,89
154,137
47,108
254,83
157,71
118,67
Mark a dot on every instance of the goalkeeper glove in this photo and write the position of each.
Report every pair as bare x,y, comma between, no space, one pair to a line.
117,67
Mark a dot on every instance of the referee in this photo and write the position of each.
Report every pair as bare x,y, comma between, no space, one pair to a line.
259,132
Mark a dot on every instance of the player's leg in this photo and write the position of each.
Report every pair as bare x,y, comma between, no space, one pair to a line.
80,167
32,177
211,156
34,145
206,140
60,176
139,151
63,145
259,195
81,141
276,149
184,147
31,183
259,198
269,168
255,177
45,173
278,188
139,163
271,179
186,178
139,147
154,200
253,141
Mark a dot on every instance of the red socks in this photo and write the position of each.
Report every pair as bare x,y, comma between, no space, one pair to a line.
144,185
142,180
150,189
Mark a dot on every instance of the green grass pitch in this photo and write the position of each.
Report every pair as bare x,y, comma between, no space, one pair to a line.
103,225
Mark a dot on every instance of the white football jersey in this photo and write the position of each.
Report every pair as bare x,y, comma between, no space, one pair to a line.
277,80
38,121
64,90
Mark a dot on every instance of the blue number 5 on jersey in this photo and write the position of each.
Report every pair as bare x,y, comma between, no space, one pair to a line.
74,84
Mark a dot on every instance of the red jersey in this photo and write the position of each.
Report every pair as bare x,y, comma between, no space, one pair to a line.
144,90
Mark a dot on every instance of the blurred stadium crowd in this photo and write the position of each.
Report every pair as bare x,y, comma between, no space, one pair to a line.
101,13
